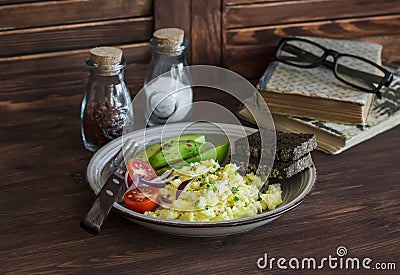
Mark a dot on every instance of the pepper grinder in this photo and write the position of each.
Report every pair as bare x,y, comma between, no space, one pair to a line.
105,106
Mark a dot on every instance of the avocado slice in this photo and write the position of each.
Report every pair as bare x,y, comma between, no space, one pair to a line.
218,153
154,148
174,151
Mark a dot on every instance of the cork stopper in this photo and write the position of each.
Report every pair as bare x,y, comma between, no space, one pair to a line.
105,56
169,36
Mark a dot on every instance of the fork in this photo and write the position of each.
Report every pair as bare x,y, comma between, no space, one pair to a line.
112,190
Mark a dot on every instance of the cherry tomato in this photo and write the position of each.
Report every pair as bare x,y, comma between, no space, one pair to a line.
138,167
142,199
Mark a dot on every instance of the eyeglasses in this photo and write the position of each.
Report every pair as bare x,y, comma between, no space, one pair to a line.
355,71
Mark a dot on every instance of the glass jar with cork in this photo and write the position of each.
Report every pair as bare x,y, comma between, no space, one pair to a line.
105,109
168,85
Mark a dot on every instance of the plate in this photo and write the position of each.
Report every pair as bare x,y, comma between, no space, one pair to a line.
294,190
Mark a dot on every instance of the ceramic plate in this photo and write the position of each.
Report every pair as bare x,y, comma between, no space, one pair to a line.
294,190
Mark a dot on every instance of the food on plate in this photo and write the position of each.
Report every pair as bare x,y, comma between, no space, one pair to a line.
292,154
280,169
289,146
174,151
287,169
154,148
142,199
292,146
141,168
205,191
218,153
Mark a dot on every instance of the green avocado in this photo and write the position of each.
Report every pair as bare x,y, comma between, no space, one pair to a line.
154,148
174,151
218,153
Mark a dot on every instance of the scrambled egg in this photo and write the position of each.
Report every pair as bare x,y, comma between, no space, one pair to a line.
215,194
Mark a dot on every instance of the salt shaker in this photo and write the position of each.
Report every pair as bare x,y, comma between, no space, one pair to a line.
105,109
168,97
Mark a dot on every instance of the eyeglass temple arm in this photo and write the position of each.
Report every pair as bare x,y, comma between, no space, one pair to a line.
368,78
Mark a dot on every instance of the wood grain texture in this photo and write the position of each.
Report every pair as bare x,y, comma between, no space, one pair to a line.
340,29
355,204
174,14
249,2
3,2
300,11
134,53
71,11
206,32
75,36
249,50
251,61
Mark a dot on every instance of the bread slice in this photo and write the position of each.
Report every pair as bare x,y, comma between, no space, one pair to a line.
289,146
280,169
285,170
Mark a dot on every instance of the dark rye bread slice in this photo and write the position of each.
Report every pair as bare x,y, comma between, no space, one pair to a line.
289,146
280,169
285,170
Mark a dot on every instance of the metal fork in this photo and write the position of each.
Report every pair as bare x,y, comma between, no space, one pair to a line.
112,190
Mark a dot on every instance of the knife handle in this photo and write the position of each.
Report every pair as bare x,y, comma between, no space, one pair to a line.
102,205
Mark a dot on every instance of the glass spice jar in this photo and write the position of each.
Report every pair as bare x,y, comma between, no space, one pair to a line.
105,109
167,95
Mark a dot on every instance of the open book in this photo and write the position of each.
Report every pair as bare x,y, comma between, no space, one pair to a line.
334,138
316,93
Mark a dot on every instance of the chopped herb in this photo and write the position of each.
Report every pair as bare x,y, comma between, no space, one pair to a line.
235,198
208,185
197,203
202,184
203,176
234,190
207,207
215,188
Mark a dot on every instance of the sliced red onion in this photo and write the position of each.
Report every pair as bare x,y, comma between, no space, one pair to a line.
166,200
164,175
126,180
134,185
181,187
136,182
157,184
153,183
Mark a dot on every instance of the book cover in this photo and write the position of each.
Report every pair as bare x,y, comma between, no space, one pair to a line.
334,138
306,88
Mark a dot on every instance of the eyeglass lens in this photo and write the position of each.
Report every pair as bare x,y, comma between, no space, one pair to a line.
350,69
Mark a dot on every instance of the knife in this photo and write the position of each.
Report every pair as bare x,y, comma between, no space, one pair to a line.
112,190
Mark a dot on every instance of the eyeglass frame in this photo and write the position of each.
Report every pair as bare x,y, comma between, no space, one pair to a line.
383,81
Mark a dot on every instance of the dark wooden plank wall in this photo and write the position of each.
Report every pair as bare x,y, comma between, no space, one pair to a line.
201,21
252,28
54,38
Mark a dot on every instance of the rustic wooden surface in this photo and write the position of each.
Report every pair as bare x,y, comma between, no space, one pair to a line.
249,50
175,14
56,36
206,32
44,195
251,29
270,13
69,11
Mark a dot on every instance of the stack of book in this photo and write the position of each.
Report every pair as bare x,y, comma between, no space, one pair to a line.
314,101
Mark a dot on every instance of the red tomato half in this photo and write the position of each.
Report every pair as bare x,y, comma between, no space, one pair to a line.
142,199
138,167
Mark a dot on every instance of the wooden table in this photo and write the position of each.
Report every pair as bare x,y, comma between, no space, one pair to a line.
44,195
